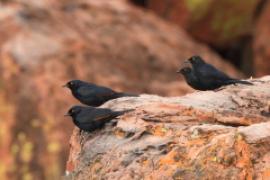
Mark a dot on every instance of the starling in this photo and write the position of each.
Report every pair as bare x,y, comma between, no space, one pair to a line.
91,118
92,94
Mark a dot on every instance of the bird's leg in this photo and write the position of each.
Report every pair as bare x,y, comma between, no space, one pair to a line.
257,81
219,89
82,137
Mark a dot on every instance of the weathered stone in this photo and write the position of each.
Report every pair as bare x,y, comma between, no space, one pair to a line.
204,135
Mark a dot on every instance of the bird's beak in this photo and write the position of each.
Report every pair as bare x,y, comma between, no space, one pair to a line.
185,62
65,86
183,65
67,114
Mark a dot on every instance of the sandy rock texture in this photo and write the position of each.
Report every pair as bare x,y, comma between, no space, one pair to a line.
203,135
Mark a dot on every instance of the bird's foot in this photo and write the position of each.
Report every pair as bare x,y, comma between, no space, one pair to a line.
219,89
257,81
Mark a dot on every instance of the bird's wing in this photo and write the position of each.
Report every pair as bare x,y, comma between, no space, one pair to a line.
97,114
86,91
105,92
99,92
209,71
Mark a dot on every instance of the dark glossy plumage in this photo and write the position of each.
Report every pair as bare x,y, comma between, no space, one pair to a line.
92,94
91,118
203,76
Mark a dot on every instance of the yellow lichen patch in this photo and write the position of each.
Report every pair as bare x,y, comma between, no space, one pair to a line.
27,176
26,151
197,7
53,147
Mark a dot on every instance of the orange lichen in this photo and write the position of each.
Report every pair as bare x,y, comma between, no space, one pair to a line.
119,133
243,158
168,159
266,174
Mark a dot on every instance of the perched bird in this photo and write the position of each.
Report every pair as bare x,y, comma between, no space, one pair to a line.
91,118
92,94
204,76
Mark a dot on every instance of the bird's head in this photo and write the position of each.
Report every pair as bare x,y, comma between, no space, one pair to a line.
75,110
196,60
185,70
73,84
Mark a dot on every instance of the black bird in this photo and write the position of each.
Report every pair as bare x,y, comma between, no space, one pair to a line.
204,76
91,118
92,94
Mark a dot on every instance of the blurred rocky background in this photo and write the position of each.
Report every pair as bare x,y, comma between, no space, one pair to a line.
129,45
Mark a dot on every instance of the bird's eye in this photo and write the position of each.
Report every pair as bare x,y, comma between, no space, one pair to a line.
71,83
187,70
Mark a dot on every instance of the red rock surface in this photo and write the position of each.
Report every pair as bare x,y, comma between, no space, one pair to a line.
203,135
219,23
46,43
261,43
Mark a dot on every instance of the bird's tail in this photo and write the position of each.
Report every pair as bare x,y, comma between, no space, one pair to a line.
237,81
123,94
119,113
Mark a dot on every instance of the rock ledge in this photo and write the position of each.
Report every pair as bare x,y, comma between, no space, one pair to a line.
203,135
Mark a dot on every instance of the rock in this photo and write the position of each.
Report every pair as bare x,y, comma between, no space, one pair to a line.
176,11
261,48
46,43
255,133
210,21
197,136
